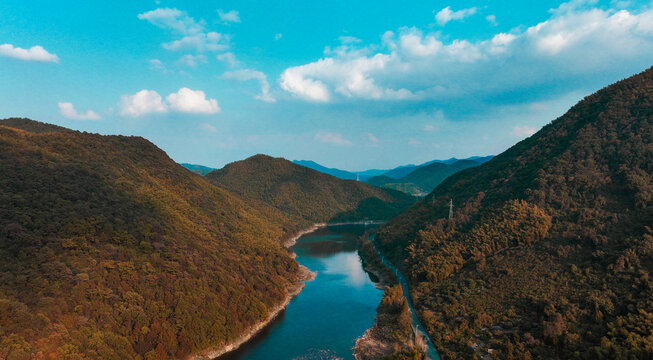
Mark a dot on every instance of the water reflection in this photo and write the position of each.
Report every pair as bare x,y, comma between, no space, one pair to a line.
324,321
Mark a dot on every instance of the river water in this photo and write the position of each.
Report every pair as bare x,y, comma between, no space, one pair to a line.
325,319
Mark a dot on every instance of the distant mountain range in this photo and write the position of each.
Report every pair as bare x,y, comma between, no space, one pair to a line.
306,193
198,169
423,179
395,173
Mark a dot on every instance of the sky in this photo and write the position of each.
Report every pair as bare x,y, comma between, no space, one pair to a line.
348,84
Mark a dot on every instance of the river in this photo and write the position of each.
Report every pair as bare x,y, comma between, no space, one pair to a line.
325,319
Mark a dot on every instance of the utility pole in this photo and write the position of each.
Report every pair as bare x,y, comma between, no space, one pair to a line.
450,209
358,177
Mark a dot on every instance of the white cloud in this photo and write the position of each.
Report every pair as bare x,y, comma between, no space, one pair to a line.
208,127
149,101
68,110
413,142
522,131
35,53
445,15
142,103
332,138
230,16
156,64
210,41
411,65
278,36
492,19
429,128
193,33
192,101
173,19
349,40
250,74
191,60
372,138
228,58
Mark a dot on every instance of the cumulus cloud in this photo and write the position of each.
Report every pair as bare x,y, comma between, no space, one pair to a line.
192,101
173,19
333,138
185,101
35,53
210,41
574,43
445,15
250,74
228,58
522,131
194,35
156,64
142,103
229,16
492,19
68,110
191,60
429,128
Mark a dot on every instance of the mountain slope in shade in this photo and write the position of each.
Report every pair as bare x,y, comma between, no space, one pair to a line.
423,179
198,169
110,250
306,193
550,250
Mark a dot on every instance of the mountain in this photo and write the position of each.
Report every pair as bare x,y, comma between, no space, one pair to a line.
32,126
342,174
423,179
306,193
396,173
198,169
550,251
111,250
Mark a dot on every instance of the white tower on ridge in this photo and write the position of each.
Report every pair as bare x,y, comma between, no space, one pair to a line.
450,209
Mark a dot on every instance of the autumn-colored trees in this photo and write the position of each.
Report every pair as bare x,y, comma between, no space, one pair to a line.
110,250
549,251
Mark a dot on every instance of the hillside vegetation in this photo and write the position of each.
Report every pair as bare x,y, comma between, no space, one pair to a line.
110,250
550,251
306,193
424,179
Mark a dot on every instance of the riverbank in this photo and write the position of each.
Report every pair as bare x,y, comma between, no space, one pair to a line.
304,275
391,334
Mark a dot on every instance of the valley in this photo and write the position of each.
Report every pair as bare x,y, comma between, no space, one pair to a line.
111,250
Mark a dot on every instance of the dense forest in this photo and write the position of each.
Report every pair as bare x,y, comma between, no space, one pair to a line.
550,250
306,193
110,250
423,179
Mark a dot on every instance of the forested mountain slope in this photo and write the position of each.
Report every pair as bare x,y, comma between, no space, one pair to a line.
550,251
110,250
306,193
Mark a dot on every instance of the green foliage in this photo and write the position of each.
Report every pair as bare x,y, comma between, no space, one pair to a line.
110,250
549,254
308,194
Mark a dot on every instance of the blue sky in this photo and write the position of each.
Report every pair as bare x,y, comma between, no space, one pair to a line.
354,85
